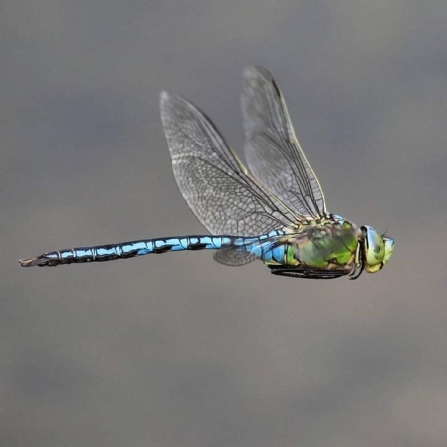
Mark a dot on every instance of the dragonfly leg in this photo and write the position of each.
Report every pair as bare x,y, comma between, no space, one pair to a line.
306,272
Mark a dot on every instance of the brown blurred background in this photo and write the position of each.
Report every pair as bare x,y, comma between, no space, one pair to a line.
177,350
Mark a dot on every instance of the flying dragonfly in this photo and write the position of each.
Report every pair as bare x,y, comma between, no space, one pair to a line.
274,211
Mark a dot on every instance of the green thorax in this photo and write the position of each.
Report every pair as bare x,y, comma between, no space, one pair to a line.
326,244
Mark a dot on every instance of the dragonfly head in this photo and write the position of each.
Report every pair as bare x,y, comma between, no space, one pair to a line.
377,249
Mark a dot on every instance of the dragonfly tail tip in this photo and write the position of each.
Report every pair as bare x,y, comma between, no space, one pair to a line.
31,262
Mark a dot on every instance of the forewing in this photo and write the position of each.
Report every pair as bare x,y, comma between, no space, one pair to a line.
272,150
214,183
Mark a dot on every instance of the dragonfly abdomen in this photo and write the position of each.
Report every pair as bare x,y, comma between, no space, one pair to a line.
101,253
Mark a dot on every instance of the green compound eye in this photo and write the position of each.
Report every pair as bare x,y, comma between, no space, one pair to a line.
374,249
389,247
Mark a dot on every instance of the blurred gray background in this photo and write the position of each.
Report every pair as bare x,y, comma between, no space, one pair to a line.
177,350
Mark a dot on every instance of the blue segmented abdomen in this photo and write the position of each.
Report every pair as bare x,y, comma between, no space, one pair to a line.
125,250
275,254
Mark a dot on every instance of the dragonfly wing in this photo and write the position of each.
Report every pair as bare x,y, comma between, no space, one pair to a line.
216,185
272,150
233,257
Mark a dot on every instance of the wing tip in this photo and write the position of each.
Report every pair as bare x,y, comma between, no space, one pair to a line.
255,72
165,99
170,102
164,96
167,105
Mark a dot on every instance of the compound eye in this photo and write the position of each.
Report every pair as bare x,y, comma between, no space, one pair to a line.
374,249
389,247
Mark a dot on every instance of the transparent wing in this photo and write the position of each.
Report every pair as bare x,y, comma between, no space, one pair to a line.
217,187
233,257
272,150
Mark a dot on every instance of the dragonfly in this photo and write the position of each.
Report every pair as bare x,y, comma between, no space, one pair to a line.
273,210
